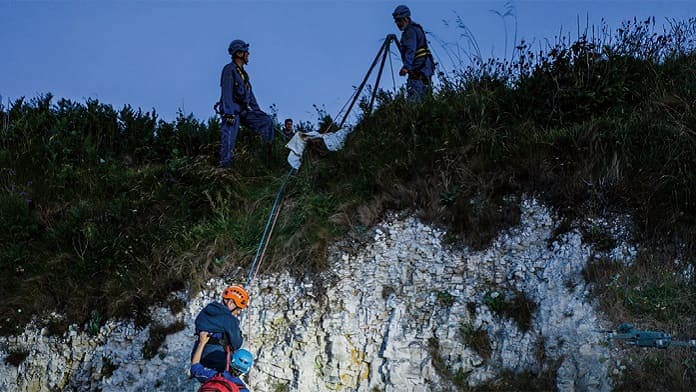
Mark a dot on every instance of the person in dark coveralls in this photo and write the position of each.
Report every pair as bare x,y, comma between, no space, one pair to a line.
417,60
238,104
220,321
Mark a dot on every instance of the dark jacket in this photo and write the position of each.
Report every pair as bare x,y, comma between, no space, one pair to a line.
412,39
236,95
217,320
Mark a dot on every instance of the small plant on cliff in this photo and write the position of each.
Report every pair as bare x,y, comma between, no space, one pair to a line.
517,307
280,387
598,236
445,298
16,357
477,339
94,323
458,377
108,367
495,301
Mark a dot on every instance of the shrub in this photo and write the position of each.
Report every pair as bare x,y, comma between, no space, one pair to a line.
16,357
477,339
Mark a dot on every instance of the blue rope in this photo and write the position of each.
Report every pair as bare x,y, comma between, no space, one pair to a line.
268,225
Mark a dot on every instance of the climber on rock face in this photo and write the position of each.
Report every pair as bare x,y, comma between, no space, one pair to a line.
220,321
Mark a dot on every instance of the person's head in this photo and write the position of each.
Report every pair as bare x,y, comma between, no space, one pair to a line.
239,50
402,16
241,361
288,124
235,298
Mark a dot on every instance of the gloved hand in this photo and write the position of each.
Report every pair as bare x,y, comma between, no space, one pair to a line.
230,119
391,37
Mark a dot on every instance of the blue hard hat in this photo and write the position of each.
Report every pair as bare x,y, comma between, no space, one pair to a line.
401,12
242,360
238,45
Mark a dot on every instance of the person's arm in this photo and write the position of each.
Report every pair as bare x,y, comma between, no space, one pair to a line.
203,338
202,373
198,371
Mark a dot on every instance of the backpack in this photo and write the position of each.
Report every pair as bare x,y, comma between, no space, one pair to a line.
218,383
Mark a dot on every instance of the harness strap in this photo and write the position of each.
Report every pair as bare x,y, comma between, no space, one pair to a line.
222,341
423,52
244,75
228,349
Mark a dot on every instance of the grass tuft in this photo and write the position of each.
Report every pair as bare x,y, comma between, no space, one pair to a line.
477,339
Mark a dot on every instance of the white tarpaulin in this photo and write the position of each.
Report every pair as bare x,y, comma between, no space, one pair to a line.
333,142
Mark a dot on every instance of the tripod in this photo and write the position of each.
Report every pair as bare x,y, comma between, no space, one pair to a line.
383,52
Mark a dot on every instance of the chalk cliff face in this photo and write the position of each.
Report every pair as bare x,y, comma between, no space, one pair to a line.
395,313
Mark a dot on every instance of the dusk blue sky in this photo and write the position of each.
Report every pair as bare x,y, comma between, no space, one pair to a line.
168,55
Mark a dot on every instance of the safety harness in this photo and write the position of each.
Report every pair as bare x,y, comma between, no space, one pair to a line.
230,118
244,75
222,341
423,52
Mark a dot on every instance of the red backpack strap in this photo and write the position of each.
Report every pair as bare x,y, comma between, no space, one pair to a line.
228,348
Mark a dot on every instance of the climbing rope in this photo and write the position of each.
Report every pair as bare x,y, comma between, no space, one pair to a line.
261,252
267,231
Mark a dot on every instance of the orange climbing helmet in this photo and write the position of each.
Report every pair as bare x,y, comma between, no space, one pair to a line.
236,294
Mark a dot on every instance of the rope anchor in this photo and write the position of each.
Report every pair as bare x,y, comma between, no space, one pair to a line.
632,336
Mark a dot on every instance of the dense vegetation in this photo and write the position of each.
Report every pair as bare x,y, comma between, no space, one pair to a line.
105,212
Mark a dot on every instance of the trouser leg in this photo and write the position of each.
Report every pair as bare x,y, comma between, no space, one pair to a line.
261,123
415,89
228,139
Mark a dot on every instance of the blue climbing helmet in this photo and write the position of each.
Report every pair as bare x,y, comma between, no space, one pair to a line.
242,360
236,46
401,12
